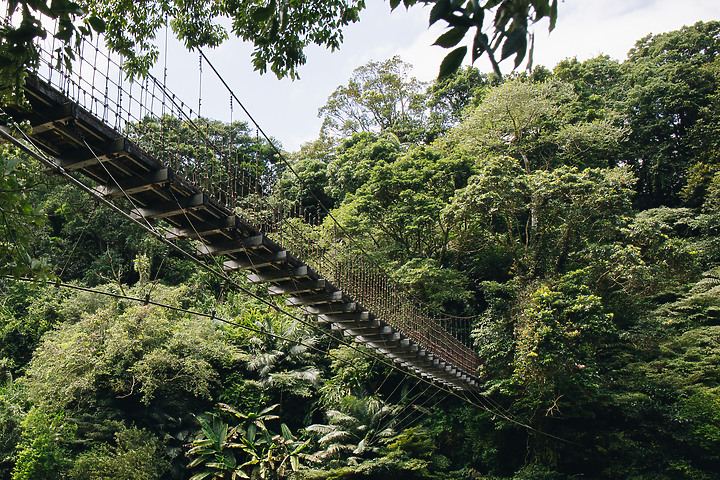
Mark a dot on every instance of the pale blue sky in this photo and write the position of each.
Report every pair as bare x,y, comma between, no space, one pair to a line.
287,110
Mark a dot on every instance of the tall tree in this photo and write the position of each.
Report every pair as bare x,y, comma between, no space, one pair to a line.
449,97
670,85
380,97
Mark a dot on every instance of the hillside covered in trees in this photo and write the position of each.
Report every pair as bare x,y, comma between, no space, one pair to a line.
571,213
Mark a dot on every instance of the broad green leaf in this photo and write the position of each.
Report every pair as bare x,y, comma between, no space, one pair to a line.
203,475
441,9
553,14
452,37
542,8
229,459
516,42
268,409
64,34
479,45
240,474
196,461
97,23
286,433
452,62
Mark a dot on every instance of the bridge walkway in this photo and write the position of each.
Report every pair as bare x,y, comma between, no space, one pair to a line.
79,142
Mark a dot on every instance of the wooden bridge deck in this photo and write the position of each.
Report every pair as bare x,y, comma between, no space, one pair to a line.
79,142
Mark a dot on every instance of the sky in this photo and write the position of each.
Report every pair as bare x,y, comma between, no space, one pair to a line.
287,110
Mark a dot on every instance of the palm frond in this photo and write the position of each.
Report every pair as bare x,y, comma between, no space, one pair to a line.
319,428
338,435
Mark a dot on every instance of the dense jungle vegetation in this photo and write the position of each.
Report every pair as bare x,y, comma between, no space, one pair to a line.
572,212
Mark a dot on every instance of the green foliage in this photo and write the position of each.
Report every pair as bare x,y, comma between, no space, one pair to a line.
43,449
402,202
353,374
449,97
598,84
86,241
703,411
435,285
260,453
18,218
415,442
355,160
22,327
141,265
12,413
577,209
382,468
283,362
557,332
380,97
306,186
670,94
355,430
141,353
534,123
491,207
135,454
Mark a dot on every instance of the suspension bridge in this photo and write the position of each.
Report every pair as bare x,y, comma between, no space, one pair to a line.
136,144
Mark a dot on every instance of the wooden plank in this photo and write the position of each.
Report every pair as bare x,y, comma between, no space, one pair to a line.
50,117
172,208
297,287
299,272
365,324
316,299
357,328
135,185
84,157
375,338
259,260
249,243
331,308
387,330
395,352
372,342
344,317
202,229
52,97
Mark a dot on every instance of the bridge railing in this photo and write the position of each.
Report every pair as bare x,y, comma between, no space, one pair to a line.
239,167
375,290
